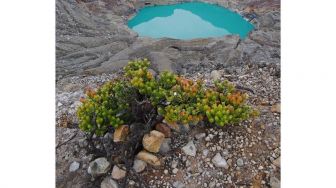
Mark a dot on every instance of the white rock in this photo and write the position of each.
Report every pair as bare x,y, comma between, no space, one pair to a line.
190,149
175,170
74,166
200,136
219,161
215,75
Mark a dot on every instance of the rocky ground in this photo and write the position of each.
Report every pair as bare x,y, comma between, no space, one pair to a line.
251,150
93,43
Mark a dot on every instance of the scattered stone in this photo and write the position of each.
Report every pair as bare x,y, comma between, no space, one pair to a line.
178,184
240,162
225,153
121,133
190,149
274,182
175,170
205,152
163,129
139,165
212,184
165,171
200,136
108,182
131,182
219,161
99,167
165,146
215,75
148,158
152,141
249,130
74,166
174,164
118,173
229,161
277,162
276,108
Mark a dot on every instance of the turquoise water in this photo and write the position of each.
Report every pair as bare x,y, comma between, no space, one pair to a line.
188,21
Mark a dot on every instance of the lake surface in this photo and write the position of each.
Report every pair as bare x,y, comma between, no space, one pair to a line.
189,21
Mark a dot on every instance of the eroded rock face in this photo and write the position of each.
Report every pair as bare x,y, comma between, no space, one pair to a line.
92,38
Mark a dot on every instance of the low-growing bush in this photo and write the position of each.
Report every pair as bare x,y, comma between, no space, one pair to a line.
177,99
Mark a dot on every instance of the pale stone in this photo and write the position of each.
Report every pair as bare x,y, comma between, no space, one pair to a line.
118,173
190,149
139,165
148,158
276,108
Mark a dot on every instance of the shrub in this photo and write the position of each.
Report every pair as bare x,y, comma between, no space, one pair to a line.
177,99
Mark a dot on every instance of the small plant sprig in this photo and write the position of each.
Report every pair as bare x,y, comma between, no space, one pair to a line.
177,99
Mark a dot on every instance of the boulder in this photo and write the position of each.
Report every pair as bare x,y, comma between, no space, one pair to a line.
98,167
148,158
121,133
152,141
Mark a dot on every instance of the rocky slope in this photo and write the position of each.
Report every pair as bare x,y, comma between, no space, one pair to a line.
92,38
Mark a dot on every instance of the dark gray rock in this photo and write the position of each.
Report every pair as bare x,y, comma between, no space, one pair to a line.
165,146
